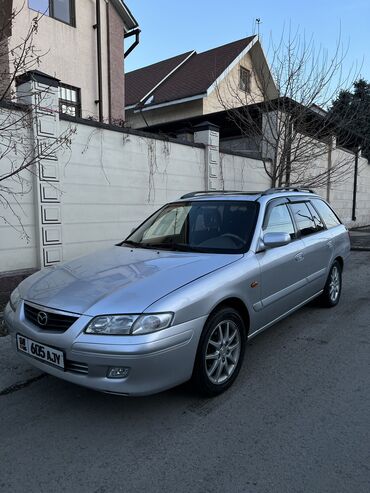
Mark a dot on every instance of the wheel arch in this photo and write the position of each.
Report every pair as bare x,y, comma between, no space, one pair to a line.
340,260
238,305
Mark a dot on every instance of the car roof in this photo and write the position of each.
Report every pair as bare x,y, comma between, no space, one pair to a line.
269,194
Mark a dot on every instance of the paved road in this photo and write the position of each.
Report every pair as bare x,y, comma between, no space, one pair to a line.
297,419
360,239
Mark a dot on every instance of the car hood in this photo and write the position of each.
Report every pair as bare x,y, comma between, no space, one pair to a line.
119,279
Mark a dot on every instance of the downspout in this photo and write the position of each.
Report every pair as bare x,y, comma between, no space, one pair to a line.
135,32
330,158
355,185
97,26
289,152
109,66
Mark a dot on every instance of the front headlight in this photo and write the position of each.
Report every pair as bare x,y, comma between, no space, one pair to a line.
15,298
129,324
146,324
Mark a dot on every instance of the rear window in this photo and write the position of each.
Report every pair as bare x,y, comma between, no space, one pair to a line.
330,218
316,217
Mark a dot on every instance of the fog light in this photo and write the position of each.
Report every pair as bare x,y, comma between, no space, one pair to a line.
118,372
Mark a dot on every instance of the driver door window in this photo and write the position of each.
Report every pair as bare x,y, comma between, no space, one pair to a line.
283,276
279,221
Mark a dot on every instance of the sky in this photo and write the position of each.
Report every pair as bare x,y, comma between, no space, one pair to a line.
171,27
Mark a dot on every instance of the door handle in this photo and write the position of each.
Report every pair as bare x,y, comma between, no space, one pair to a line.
330,244
299,257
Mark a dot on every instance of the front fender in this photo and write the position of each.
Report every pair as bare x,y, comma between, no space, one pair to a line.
200,297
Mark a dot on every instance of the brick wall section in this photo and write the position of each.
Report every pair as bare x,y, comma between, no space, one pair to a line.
5,31
4,68
116,64
6,7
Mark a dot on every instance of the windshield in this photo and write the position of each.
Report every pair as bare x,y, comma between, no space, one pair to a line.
208,226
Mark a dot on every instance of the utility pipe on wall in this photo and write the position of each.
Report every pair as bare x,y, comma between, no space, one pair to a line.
355,185
97,26
109,64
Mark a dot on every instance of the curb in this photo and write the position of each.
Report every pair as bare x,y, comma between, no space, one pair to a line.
360,249
359,228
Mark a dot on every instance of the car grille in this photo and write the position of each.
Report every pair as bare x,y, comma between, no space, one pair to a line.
76,367
55,322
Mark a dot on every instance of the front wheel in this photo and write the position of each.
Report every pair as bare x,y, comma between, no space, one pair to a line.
220,352
333,287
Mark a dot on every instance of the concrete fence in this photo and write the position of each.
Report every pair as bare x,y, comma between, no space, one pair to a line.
92,192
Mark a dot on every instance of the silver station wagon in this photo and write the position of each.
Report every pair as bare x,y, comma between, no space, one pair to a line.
178,299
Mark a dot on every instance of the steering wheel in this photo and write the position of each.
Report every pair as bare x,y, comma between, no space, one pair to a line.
239,242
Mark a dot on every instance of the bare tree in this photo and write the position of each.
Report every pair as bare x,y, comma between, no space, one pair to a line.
281,112
19,153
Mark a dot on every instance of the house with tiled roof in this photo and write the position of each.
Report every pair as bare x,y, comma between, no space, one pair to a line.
195,84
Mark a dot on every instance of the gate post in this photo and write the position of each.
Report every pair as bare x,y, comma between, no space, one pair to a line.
41,93
208,134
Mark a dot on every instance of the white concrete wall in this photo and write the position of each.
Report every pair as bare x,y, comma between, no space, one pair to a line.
112,181
341,193
240,173
17,212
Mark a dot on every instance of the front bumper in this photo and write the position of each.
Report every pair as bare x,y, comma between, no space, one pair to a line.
156,361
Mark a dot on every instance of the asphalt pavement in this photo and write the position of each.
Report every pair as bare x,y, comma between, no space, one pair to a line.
360,239
296,420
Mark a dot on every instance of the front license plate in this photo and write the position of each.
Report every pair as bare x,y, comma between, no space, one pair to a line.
41,352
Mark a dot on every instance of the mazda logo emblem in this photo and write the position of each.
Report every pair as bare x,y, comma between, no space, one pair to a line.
42,318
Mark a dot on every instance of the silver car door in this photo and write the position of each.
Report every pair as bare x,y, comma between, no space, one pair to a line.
283,280
318,245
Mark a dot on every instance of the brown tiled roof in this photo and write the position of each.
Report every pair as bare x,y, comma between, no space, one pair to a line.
193,78
139,82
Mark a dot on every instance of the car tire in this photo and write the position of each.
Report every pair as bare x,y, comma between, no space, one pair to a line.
220,352
333,287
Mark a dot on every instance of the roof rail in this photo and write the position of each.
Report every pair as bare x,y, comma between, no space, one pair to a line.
286,189
269,191
218,192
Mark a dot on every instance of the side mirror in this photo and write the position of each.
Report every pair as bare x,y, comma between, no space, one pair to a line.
272,240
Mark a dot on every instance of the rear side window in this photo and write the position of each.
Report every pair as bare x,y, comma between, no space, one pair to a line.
279,221
319,225
330,218
303,217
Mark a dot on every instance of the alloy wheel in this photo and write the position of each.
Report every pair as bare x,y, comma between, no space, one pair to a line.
222,352
334,284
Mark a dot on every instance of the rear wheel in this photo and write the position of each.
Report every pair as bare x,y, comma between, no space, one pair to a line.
333,287
220,352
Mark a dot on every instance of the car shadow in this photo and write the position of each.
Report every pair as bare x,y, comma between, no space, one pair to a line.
182,399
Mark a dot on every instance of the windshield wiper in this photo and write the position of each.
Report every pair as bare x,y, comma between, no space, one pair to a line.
134,244
180,247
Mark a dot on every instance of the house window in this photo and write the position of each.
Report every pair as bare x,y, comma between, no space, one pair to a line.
69,100
62,10
244,79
